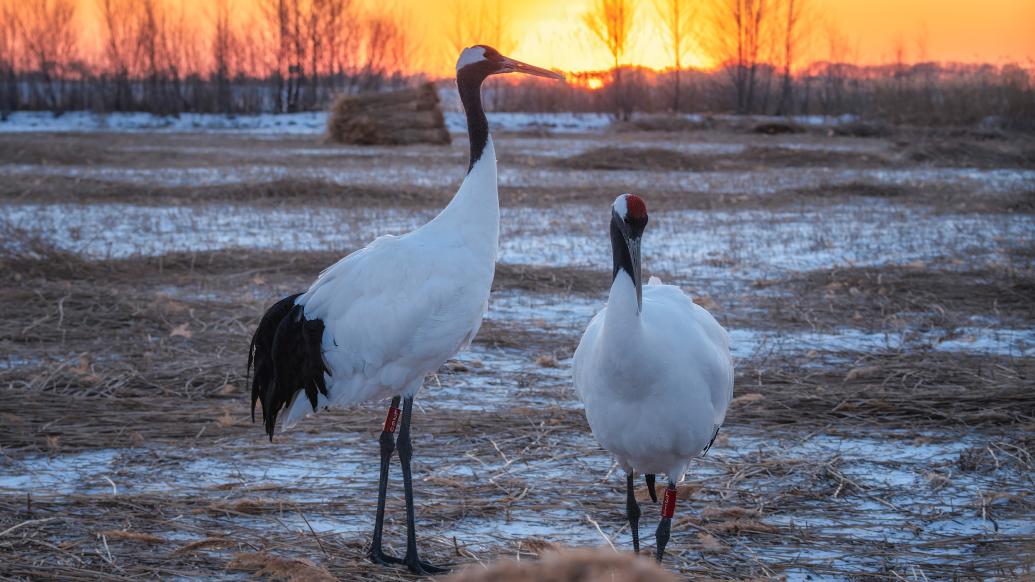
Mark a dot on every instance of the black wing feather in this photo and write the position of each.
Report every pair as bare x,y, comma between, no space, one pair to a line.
286,356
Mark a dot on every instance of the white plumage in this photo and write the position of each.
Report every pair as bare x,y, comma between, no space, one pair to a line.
656,385
653,370
395,311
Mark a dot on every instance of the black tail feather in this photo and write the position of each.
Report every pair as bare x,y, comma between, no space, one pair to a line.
285,356
651,480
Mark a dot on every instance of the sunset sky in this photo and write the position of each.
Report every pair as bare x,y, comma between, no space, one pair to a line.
552,33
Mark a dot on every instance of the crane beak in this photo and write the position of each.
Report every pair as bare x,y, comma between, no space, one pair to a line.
634,253
514,66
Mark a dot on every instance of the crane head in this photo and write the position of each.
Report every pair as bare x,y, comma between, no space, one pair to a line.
628,219
485,60
631,211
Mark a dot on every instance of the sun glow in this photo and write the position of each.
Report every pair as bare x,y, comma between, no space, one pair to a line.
554,34
595,83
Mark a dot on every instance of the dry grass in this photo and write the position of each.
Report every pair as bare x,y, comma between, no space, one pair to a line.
863,129
143,358
647,159
569,566
896,297
272,193
753,157
970,153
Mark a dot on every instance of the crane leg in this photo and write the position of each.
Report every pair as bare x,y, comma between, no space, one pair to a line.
412,559
668,508
376,555
651,480
632,512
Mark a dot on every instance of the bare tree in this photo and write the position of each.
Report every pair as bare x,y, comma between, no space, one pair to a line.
612,22
296,68
48,32
152,44
275,13
485,23
224,51
379,49
9,59
466,27
497,26
316,13
119,47
794,32
742,31
677,19
838,55
340,37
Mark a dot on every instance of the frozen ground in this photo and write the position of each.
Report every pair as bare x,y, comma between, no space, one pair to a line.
306,123
314,122
880,316
690,245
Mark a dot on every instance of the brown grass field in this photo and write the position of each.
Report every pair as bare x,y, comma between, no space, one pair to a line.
880,293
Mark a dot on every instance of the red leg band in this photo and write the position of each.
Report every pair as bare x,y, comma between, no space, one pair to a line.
392,420
668,506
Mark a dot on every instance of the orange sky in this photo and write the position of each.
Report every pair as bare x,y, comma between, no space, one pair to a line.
551,33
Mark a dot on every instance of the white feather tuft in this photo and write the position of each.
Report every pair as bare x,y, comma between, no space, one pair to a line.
620,206
470,55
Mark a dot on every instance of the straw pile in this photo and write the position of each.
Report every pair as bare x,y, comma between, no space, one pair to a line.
401,117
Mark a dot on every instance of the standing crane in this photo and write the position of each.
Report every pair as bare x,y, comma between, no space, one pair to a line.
654,372
375,324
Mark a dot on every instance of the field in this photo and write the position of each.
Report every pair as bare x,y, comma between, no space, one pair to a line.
879,291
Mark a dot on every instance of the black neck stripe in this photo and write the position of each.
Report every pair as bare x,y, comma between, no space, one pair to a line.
469,84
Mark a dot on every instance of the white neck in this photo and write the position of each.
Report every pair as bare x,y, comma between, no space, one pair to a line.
474,210
623,313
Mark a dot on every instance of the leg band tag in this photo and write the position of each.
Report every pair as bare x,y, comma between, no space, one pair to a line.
392,420
668,506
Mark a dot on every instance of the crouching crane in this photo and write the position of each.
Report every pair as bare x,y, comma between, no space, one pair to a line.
376,323
654,372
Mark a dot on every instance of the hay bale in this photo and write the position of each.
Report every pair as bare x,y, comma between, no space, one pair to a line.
397,118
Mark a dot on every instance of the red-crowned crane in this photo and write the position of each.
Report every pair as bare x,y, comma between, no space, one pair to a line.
654,372
375,324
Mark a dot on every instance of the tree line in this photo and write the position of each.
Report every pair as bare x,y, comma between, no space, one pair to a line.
165,57
760,44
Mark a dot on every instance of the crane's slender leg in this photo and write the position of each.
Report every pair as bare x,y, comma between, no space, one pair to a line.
651,480
412,559
632,512
668,509
376,555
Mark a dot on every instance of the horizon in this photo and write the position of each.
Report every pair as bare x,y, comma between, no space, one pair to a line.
555,36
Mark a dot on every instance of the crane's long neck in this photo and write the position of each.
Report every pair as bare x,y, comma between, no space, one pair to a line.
474,212
622,321
624,304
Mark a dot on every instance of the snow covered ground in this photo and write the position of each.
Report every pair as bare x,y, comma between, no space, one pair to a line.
314,122
691,245
857,491
305,123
